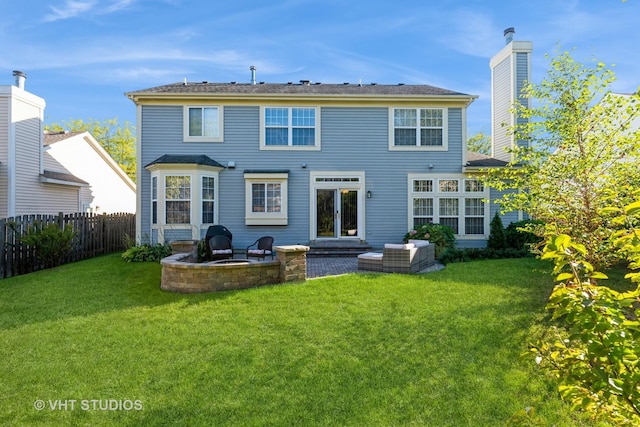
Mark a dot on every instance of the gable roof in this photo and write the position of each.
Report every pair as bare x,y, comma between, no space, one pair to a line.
53,137
298,90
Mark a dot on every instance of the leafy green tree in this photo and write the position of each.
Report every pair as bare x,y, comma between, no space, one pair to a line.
117,140
582,146
480,143
595,351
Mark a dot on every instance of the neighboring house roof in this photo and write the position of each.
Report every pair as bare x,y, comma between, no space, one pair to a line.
479,161
305,88
60,176
53,137
186,159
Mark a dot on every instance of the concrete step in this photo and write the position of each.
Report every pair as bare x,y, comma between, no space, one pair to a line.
337,248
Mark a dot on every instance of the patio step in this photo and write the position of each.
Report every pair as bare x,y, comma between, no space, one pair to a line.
337,248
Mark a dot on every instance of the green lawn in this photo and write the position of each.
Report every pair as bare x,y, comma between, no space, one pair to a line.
364,350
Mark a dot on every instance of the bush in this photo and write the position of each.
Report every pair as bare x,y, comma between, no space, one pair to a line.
442,236
497,238
523,234
51,242
203,251
470,254
147,253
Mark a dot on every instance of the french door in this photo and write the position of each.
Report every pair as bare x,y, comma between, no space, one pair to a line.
337,213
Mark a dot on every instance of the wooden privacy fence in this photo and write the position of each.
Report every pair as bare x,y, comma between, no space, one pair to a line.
94,235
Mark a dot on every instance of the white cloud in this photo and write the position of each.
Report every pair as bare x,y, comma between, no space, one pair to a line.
75,8
70,9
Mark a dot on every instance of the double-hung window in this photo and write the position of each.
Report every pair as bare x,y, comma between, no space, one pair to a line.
154,200
208,199
418,128
203,123
290,127
454,201
177,199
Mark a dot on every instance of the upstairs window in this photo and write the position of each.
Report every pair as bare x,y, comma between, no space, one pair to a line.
290,127
203,123
423,128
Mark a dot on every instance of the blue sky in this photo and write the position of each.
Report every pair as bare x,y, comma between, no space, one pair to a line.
81,56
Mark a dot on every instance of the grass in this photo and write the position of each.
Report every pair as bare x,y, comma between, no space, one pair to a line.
439,349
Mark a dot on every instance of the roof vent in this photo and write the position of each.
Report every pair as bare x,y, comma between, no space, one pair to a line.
253,74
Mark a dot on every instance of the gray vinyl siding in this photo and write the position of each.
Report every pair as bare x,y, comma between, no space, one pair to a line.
502,101
4,154
352,139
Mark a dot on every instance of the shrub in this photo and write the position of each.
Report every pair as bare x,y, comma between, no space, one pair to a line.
147,252
442,236
523,234
203,251
469,254
51,242
497,238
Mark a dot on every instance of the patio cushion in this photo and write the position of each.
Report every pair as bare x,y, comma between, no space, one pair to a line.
259,252
221,251
399,246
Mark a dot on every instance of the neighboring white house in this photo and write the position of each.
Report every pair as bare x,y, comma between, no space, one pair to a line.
79,153
38,178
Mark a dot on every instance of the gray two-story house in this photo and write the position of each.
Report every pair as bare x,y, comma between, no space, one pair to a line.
308,161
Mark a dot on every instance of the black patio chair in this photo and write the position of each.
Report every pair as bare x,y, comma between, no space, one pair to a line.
216,230
261,248
220,248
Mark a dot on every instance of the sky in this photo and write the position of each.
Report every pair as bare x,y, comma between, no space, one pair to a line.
81,56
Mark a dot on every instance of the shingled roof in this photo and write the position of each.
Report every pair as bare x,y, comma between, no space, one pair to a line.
303,88
53,137
186,160
477,160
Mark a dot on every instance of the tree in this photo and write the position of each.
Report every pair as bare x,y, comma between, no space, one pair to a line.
480,143
497,238
118,141
594,351
581,150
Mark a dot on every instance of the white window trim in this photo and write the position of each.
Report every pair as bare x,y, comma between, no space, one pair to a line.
154,199
461,195
266,218
196,172
214,200
263,131
445,131
185,125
